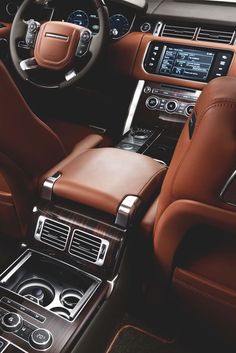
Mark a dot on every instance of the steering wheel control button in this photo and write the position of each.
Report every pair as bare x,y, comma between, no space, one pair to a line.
152,102
41,339
189,109
11,322
32,31
3,344
145,27
85,36
171,106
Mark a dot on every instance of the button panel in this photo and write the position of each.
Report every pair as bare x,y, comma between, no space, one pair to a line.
38,338
22,308
169,102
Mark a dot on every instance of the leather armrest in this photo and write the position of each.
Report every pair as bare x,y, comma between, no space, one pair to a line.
102,178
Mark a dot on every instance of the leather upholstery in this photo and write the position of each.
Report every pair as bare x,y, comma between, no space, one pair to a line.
102,178
206,288
56,53
200,166
190,196
28,148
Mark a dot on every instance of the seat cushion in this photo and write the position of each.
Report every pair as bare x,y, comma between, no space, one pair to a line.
75,136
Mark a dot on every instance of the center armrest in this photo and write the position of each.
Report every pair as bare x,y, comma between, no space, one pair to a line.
103,178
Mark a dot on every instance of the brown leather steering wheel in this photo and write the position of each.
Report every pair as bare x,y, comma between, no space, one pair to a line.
57,47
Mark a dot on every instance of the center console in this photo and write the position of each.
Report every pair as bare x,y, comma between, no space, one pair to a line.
80,226
171,72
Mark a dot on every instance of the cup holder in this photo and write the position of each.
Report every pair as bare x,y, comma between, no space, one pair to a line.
38,291
70,298
61,312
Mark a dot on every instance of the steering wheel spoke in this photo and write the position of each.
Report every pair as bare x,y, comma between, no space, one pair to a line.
29,64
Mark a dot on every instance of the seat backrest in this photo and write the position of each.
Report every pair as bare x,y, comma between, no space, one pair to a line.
204,159
28,148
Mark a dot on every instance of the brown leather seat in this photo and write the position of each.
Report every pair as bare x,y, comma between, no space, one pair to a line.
204,160
28,148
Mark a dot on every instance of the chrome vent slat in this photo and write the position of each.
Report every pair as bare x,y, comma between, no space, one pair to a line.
85,255
95,244
198,33
56,228
52,237
88,247
53,243
85,245
178,31
50,230
53,233
208,35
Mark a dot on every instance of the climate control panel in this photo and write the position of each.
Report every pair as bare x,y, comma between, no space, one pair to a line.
170,102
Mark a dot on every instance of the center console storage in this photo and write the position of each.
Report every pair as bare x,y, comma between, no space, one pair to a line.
43,302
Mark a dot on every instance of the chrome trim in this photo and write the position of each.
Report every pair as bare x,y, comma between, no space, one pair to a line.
70,75
158,28
37,235
28,64
105,242
127,210
47,189
111,286
133,106
227,184
15,269
57,36
100,129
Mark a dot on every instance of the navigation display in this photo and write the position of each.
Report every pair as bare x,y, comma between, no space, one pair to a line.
186,63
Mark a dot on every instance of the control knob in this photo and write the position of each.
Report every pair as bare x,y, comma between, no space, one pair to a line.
189,109
41,339
171,106
11,322
152,102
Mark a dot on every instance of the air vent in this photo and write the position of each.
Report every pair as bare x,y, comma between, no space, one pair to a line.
88,247
52,233
178,31
208,35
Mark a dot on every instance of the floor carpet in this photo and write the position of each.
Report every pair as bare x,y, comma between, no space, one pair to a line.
131,339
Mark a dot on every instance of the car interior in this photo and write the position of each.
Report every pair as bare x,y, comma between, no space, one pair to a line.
117,176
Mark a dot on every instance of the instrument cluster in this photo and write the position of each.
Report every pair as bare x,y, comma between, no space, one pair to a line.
120,23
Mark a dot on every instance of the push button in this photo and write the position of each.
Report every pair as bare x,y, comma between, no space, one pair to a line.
152,102
11,322
171,106
41,339
25,332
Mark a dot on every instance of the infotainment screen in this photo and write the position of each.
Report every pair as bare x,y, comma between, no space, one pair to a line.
186,63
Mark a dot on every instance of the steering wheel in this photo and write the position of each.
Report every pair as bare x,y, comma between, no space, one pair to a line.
56,49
